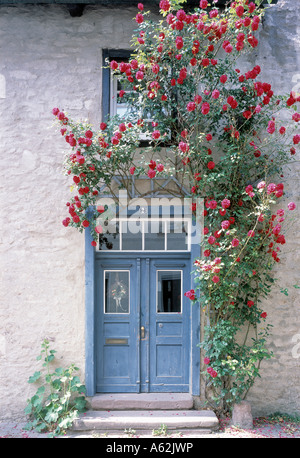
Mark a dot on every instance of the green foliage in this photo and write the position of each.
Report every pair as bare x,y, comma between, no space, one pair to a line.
58,400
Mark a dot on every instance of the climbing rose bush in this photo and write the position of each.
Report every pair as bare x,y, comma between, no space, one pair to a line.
227,137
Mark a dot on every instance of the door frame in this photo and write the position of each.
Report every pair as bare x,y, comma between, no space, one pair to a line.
90,321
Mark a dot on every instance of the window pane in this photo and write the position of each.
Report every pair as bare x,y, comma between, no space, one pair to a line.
116,292
154,235
110,239
176,236
169,291
132,235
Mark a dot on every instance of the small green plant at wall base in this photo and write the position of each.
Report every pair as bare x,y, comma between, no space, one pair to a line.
58,401
161,431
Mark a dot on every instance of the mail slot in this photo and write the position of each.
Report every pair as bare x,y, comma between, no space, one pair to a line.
116,341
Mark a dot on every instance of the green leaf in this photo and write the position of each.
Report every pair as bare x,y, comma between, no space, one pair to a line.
284,291
80,403
34,377
51,416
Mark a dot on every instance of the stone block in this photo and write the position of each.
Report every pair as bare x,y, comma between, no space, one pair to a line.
242,415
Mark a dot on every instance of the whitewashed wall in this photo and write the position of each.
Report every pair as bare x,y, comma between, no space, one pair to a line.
47,59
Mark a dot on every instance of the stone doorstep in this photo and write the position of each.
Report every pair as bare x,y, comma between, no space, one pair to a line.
146,420
141,401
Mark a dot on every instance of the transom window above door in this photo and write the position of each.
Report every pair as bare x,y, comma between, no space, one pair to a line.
154,234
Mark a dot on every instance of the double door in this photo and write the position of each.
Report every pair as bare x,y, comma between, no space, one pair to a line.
143,323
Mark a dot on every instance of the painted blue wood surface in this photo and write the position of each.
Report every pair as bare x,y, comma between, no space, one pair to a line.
159,361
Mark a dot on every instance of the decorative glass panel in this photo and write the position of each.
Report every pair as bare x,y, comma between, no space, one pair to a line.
116,291
169,291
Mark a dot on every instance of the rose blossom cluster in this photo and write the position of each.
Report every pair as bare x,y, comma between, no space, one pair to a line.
84,160
210,370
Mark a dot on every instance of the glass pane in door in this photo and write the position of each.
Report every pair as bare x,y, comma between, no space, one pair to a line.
116,291
169,291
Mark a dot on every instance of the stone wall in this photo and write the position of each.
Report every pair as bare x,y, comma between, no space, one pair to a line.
47,59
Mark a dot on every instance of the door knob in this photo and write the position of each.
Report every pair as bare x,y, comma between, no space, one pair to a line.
142,332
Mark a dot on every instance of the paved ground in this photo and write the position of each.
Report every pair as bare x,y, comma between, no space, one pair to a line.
263,428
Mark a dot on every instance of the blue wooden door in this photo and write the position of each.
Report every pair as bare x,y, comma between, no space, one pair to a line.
143,323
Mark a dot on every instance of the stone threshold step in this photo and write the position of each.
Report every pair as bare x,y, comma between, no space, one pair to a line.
140,401
146,420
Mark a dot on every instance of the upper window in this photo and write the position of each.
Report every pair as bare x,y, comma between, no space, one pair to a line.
110,105
130,104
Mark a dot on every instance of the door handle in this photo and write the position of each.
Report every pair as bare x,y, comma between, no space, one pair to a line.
142,332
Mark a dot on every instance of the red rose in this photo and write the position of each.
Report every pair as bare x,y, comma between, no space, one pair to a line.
190,294
205,108
156,134
152,164
225,203
184,147
164,5
239,11
139,18
191,106
296,139
235,242
151,173
66,222
113,65
139,75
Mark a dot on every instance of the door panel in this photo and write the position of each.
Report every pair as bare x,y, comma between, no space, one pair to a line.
116,327
169,327
143,324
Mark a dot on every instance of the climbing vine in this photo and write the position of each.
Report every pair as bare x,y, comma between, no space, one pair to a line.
226,137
